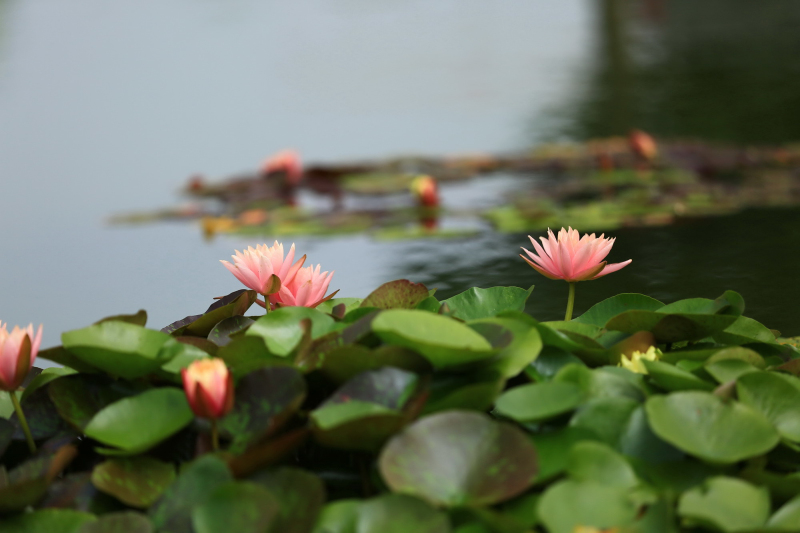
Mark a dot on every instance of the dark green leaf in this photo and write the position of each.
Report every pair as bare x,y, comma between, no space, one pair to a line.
138,423
136,481
236,506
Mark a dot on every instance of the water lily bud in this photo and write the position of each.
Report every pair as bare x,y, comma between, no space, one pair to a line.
18,351
634,364
209,388
425,190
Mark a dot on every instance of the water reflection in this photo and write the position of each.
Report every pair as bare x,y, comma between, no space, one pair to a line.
718,69
752,253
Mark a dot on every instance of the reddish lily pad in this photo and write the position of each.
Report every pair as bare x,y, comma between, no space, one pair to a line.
265,399
398,294
79,397
136,481
459,458
221,333
366,410
233,304
300,496
196,482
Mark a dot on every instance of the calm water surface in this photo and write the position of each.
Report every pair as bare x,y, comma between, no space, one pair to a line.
108,108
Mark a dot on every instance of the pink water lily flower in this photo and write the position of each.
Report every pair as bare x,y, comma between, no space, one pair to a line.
18,351
255,267
572,257
307,289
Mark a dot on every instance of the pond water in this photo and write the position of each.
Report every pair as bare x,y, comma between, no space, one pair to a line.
108,108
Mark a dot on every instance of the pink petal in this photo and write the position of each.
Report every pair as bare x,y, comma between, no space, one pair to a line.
613,268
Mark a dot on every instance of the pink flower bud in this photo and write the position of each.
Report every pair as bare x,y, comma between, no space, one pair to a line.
209,388
286,162
425,189
18,351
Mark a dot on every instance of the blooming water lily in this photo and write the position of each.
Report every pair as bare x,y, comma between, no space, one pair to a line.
18,350
572,258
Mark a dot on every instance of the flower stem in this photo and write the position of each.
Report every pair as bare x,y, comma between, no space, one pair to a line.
570,301
214,435
22,421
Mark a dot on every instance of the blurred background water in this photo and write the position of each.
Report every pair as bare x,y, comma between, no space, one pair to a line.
108,107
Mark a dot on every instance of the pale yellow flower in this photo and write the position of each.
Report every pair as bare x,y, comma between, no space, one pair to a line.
634,363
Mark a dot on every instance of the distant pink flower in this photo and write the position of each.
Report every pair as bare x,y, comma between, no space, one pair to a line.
18,351
208,385
307,289
255,267
572,257
287,162
426,191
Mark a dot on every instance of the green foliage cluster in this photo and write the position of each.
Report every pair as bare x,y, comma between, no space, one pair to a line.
401,413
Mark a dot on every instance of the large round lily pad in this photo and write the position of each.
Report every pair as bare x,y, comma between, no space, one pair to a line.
443,341
459,458
568,504
539,401
705,426
282,329
398,513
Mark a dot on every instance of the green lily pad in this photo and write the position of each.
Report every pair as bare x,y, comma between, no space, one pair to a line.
339,516
771,395
58,354
247,354
523,349
117,348
459,458
42,417
398,294
670,327
605,417
264,400
726,503
349,304
300,497
139,422
47,375
55,520
281,329
236,506
136,481
553,450
637,440
670,377
196,482
600,313
139,318
234,304
744,331
476,303
365,411
787,518
398,513
568,504
705,426
600,383
597,462
729,369
443,341
539,401
124,522
179,356
476,391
